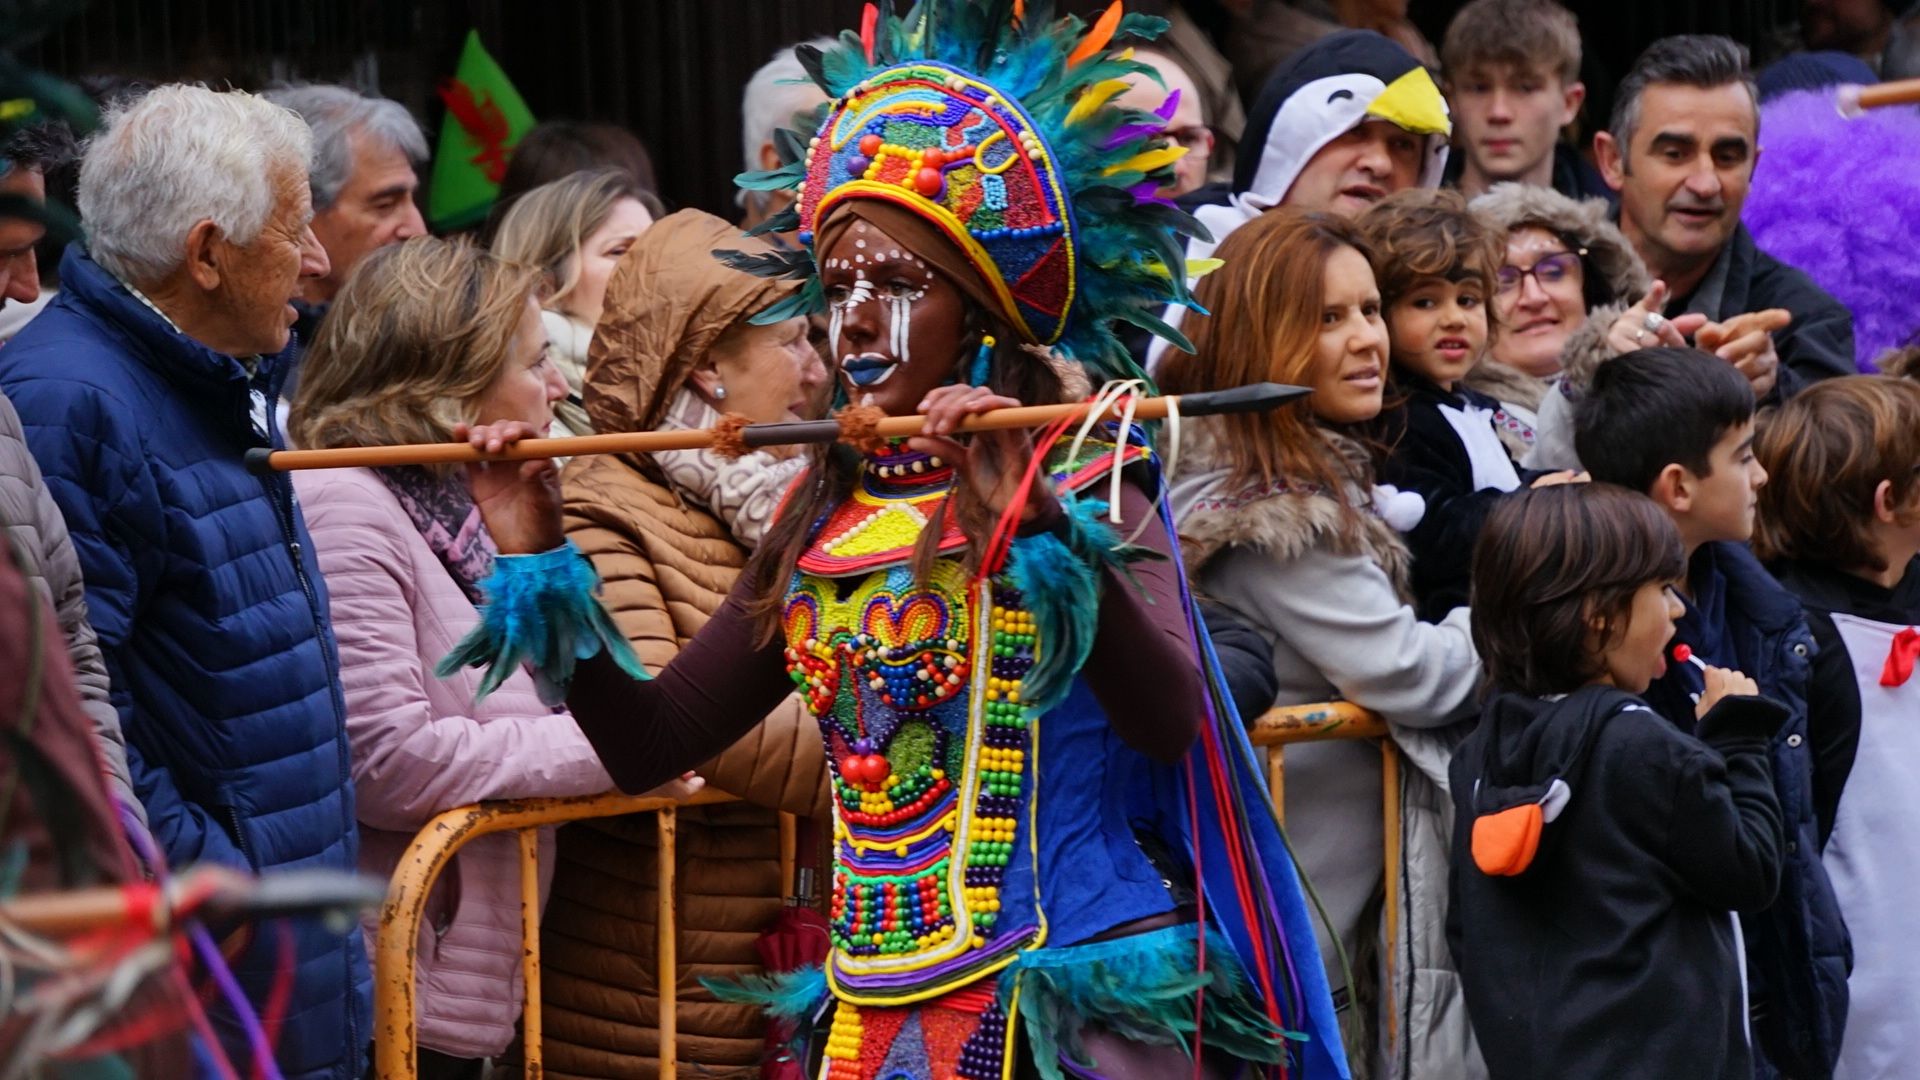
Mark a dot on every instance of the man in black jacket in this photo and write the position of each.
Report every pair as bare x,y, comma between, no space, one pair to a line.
1680,151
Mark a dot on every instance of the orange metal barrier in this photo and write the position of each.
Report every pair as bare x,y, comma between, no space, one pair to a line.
1341,720
433,848
436,844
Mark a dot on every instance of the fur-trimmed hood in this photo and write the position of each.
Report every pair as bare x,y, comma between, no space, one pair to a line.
1282,520
1586,223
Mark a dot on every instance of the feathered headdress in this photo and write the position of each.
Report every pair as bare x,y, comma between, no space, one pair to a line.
996,123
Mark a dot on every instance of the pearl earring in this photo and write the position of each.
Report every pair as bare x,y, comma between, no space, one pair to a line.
719,392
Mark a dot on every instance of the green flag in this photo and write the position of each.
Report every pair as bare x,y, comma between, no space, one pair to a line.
485,119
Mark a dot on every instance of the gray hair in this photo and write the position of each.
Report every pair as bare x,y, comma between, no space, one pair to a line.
1700,60
176,156
775,93
335,113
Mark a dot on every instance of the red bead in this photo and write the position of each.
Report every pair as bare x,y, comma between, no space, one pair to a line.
927,182
932,158
870,144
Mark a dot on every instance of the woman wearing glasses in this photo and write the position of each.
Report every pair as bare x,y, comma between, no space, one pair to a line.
1570,293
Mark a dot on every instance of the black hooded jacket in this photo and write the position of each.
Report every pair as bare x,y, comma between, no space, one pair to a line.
1612,953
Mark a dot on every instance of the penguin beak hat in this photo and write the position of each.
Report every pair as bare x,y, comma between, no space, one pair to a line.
1326,90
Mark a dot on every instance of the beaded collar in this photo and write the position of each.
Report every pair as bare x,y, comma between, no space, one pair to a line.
900,491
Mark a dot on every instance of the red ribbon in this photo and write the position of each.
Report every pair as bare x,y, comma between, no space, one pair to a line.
1906,648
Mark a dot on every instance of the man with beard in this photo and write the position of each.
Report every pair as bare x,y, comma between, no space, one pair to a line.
1680,152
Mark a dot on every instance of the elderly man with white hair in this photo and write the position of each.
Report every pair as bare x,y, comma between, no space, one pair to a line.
365,153
141,388
775,94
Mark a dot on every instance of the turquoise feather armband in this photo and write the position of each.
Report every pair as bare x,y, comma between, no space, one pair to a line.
542,611
1058,573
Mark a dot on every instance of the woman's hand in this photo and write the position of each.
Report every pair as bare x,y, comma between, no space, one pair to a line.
992,461
1630,330
518,500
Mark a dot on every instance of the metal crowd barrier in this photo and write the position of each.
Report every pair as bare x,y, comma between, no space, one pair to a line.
436,844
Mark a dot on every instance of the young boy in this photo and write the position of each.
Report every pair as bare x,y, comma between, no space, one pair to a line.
1598,849
1840,525
1434,264
1513,81
1677,425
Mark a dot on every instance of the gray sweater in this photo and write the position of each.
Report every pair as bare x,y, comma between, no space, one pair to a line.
1336,614
33,524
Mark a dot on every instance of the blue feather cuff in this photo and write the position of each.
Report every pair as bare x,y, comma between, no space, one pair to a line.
541,611
1058,573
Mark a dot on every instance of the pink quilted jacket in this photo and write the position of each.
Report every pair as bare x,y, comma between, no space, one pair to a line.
421,745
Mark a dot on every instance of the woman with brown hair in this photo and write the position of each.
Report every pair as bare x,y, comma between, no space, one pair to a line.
427,337
1282,523
668,534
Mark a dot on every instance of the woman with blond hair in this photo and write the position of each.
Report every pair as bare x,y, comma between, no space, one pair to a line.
572,232
430,336
1282,523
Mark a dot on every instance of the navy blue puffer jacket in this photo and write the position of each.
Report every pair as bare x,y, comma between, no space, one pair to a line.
1798,951
212,616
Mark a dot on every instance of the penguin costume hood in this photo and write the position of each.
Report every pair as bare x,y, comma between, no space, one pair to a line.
1327,90
1319,94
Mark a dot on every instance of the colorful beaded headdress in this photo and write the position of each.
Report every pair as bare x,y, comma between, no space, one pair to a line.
996,124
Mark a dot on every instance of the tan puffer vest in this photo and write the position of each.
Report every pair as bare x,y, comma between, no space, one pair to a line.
665,565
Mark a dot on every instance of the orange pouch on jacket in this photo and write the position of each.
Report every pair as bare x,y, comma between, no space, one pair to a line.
1504,843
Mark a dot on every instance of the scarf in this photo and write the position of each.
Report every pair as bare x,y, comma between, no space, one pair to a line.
447,519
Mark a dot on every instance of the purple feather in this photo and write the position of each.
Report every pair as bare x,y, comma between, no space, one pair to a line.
1854,237
1145,192
1126,132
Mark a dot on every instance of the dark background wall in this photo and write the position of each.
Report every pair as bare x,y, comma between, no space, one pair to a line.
671,70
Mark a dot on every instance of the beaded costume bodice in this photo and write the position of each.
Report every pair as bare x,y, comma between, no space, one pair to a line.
916,686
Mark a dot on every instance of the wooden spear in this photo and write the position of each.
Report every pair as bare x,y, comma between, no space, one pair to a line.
1255,398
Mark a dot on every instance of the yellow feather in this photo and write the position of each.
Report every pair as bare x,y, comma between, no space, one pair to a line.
1146,161
1093,97
1197,268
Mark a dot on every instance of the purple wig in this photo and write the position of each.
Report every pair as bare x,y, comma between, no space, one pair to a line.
1840,199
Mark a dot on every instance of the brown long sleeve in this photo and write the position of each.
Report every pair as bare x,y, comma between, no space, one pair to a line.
1141,669
714,691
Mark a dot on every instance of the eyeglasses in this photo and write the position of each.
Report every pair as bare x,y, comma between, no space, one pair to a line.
1195,137
1546,272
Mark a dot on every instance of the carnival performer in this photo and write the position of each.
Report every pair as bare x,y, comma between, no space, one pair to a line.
1052,854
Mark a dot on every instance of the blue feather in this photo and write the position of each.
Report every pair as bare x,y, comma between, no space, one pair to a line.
792,996
541,611
1060,578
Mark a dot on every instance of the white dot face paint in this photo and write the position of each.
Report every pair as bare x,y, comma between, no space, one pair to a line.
860,243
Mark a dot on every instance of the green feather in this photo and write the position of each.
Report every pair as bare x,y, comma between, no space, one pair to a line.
797,265
780,179
809,300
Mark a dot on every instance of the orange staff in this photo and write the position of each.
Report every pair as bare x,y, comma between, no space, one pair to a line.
854,425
